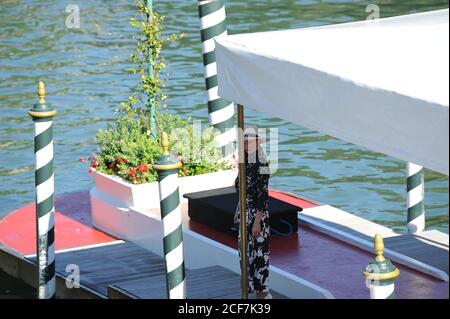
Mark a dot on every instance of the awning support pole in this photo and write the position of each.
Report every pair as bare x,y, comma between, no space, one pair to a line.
415,187
242,201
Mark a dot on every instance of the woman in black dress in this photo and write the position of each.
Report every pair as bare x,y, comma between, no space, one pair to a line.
258,230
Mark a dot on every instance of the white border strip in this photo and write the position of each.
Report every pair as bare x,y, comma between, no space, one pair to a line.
66,250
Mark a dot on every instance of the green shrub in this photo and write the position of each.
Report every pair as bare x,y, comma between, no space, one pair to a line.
127,150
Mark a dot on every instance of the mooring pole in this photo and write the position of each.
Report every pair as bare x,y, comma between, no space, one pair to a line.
380,274
221,111
415,187
167,167
151,100
44,181
243,203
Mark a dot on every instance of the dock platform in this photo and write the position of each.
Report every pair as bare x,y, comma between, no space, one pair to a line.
110,267
122,269
427,251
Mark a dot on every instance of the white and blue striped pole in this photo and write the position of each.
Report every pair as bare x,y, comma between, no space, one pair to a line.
44,180
415,196
167,167
380,274
221,111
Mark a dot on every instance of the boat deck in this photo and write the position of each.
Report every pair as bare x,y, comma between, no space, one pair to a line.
310,254
422,248
302,254
123,269
427,251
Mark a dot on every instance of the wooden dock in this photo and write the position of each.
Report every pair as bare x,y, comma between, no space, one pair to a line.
124,270
427,251
112,268
422,247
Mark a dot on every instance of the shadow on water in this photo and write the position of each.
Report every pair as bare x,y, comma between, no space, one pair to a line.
11,288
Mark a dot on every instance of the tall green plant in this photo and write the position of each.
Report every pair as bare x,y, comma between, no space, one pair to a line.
147,64
129,146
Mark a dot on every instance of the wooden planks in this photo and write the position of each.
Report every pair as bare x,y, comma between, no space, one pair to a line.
426,251
103,266
419,248
434,236
204,283
125,270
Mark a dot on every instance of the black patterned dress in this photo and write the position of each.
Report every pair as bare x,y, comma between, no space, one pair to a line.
257,200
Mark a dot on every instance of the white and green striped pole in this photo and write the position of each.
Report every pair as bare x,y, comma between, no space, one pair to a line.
380,274
221,111
415,189
44,179
167,167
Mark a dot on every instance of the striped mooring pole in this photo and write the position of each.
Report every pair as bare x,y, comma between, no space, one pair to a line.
415,189
44,179
167,167
380,273
221,111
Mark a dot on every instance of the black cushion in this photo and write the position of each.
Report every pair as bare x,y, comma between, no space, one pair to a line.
216,208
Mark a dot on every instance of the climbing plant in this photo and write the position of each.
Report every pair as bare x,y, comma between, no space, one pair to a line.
148,64
129,146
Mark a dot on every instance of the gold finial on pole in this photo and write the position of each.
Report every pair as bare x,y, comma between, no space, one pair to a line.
165,143
41,92
379,247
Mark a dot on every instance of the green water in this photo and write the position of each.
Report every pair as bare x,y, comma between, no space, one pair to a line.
86,77
85,73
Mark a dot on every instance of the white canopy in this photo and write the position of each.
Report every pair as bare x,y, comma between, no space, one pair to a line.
381,84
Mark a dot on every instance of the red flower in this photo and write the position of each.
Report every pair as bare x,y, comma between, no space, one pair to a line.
94,164
91,158
119,160
81,159
142,168
132,172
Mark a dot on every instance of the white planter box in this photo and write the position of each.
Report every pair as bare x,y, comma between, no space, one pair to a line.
146,196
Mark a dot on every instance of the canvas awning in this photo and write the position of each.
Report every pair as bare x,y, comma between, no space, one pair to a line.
383,84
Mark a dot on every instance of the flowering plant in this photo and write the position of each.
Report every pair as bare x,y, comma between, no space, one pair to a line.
126,149
130,145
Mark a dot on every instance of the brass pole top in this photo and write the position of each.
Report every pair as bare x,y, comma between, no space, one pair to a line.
165,143
379,247
41,92
166,161
380,269
40,110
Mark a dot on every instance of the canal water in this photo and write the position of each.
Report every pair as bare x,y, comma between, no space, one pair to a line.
85,70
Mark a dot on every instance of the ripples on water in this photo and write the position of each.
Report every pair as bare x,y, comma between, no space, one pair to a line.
85,73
